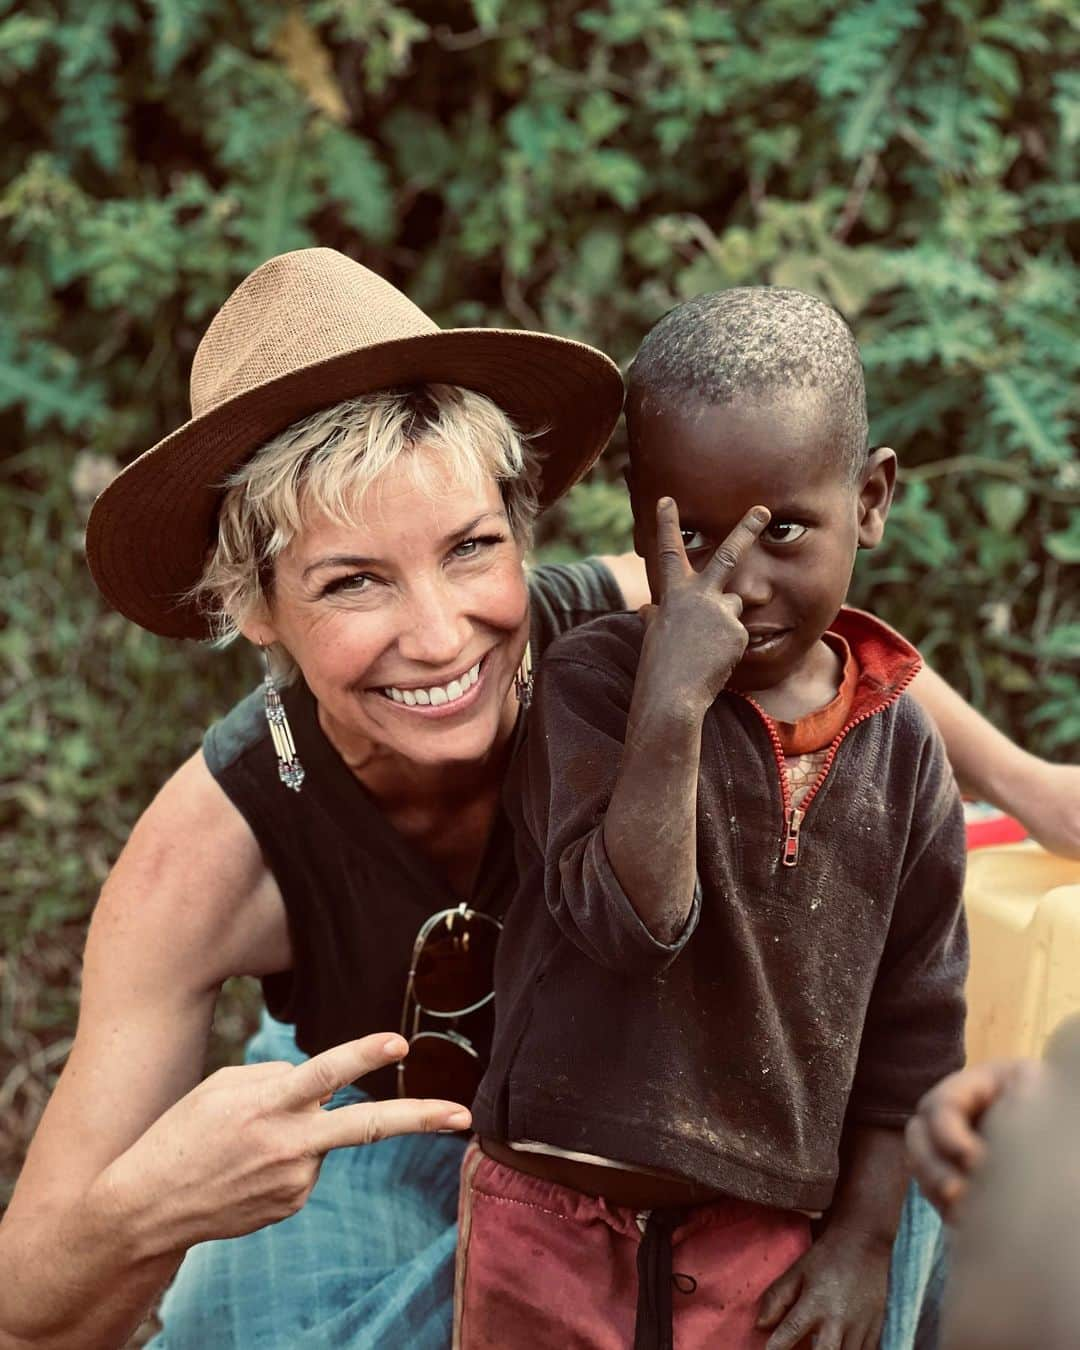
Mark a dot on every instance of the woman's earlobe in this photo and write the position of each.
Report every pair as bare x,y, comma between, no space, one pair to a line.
877,483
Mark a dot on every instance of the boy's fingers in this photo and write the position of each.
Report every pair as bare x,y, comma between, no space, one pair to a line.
779,1298
727,557
321,1076
792,1332
367,1122
670,549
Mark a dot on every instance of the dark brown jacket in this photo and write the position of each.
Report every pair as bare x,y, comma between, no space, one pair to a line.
796,998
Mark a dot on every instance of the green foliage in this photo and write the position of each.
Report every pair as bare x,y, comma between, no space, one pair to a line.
579,168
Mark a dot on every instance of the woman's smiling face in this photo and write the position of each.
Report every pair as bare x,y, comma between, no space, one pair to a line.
408,627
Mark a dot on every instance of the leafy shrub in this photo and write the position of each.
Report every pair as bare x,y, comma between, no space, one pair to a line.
575,167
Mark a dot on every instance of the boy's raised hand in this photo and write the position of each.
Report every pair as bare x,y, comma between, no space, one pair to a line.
696,627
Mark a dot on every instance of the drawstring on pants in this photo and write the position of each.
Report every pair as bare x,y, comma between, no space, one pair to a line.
652,1330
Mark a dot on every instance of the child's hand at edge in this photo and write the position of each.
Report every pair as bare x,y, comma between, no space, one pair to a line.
833,1297
944,1146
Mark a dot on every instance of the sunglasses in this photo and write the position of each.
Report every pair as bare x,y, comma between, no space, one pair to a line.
451,976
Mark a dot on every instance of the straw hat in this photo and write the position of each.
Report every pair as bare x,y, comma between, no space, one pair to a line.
304,331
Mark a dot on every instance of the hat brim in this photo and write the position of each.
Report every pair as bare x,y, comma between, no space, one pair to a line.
149,531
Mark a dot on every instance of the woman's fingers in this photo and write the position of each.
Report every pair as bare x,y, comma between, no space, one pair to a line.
314,1081
367,1122
728,556
319,1077
670,550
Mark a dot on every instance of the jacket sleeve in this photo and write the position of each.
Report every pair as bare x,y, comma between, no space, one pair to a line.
577,723
914,1031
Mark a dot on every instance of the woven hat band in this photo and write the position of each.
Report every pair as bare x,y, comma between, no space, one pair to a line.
295,311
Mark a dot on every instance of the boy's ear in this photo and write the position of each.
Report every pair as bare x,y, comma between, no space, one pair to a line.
877,482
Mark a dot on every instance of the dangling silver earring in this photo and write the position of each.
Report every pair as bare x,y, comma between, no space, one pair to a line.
523,680
290,770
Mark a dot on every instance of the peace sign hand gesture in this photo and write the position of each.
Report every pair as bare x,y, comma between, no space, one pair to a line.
244,1148
694,634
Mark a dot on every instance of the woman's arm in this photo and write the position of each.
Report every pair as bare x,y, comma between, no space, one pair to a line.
1044,797
133,1163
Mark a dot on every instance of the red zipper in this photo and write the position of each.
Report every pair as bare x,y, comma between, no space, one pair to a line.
795,815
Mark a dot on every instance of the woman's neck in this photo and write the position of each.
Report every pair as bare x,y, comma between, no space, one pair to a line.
393,779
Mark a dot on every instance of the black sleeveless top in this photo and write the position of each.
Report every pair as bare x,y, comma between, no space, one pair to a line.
355,890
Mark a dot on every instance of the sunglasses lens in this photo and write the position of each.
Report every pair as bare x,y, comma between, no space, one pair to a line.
439,1067
456,966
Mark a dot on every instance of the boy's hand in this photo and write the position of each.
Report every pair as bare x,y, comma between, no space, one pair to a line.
833,1297
695,637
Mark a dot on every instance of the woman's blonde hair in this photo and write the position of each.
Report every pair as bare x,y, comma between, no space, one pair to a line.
327,463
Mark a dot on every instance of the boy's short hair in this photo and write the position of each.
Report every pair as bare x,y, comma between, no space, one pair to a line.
752,341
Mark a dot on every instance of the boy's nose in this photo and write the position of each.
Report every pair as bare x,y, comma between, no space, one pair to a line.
750,581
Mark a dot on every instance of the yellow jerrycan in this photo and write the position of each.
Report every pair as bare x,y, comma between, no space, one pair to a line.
1023,909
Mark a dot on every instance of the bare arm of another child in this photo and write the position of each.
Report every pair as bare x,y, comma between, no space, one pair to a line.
693,641
835,1293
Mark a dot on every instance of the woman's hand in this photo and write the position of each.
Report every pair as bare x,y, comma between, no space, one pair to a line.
943,1142
695,638
244,1148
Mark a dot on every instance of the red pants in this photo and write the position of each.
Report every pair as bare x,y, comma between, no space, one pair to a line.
544,1267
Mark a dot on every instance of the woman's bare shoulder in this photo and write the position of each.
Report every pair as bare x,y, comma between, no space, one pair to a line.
193,869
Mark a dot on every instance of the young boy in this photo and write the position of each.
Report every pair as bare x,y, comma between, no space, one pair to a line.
737,951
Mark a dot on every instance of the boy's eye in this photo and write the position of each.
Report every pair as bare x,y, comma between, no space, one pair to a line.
693,540
784,531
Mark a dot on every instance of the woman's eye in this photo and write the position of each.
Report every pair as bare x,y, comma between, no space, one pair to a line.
693,540
351,585
784,531
469,548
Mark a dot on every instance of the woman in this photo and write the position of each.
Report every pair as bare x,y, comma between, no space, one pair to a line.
374,546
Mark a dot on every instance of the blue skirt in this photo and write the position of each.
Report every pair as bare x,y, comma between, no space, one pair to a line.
369,1261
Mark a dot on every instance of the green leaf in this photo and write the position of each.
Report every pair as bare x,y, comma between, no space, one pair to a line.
179,25
353,176
487,12
998,68
615,174
1004,504
22,38
599,116
47,385
1064,545
1067,104
424,153
1062,643
1020,406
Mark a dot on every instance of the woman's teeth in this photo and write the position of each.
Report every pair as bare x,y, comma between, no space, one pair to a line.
437,694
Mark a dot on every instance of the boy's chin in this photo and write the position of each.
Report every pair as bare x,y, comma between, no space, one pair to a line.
756,674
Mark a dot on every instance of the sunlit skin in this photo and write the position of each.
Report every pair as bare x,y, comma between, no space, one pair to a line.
719,462
423,587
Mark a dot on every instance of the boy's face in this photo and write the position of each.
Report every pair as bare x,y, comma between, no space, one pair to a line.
779,452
